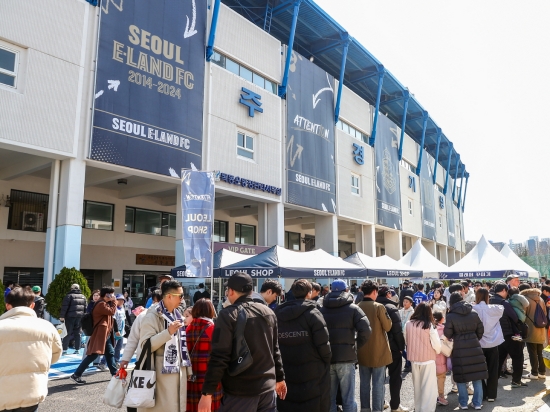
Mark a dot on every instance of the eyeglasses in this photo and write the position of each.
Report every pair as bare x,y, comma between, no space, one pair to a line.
176,294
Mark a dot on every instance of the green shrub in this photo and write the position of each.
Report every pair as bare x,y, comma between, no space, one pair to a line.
61,285
2,302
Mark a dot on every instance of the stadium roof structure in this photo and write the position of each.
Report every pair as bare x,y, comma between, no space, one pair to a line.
313,33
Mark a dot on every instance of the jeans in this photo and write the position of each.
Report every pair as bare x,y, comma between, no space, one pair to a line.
536,359
109,355
343,375
378,376
118,348
490,386
394,372
463,393
73,332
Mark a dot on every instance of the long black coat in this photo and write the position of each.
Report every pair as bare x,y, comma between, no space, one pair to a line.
395,335
465,328
305,350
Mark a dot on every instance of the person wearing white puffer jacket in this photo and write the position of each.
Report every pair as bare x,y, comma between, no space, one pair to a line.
32,345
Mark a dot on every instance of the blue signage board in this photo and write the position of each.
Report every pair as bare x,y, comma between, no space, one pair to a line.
487,274
149,90
388,192
310,152
427,198
197,203
449,205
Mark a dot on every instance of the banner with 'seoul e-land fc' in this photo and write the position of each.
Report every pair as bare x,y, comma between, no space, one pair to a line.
149,90
388,192
310,152
197,203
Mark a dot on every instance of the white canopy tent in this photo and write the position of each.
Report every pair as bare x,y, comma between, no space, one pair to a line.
383,266
419,258
517,263
483,261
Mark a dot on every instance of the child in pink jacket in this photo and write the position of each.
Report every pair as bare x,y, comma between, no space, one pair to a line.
440,361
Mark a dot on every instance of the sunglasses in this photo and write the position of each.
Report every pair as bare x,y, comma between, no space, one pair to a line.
176,294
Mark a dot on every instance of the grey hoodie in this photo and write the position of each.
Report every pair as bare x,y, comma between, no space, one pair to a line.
490,317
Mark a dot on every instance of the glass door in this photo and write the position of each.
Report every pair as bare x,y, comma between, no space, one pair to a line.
135,285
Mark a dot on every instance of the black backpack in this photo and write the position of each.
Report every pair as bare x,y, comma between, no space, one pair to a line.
87,323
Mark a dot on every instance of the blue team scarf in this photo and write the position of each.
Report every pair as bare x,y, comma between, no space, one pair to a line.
171,355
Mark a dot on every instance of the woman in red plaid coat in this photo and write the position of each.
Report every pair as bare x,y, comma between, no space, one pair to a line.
199,345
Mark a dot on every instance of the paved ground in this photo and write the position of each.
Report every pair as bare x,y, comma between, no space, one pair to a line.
64,395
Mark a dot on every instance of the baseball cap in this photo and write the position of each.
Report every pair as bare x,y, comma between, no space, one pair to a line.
499,287
120,297
513,276
36,289
383,291
338,285
240,282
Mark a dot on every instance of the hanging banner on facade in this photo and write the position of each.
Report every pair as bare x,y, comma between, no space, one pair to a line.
310,163
388,192
197,203
149,90
450,206
427,198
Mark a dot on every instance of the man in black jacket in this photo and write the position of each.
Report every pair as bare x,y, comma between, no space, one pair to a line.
344,319
73,309
39,303
254,388
509,347
407,291
397,345
305,350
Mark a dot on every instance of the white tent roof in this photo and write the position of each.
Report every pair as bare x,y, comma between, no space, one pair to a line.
419,258
384,266
482,261
517,263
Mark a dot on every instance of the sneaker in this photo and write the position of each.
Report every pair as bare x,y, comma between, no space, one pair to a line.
454,389
542,376
400,409
490,400
63,353
442,401
517,338
528,376
77,379
101,367
463,407
470,390
518,384
471,405
502,375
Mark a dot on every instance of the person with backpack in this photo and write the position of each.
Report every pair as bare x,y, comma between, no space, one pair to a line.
536,319
253,383
39,304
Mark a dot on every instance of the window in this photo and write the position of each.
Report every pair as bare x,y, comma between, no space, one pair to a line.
292,241
407,166
220,231
97,215
8,66
354,184
245,145
28,211
245,234
439,188
245,73
440,221
352,131
150,222
410,205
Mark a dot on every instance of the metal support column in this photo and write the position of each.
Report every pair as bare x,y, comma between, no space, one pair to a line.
460,193
372,139
451,152
213,28
406,97
456,175
465,189
424,125
284,83
437,155
341,79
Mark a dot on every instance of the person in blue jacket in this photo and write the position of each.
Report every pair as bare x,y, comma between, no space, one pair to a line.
420,296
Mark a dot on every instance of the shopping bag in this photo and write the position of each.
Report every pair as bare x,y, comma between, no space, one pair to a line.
116,390
546,356
446,347
143,382
62,330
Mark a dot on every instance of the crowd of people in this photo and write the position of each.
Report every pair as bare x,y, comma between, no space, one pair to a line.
260,354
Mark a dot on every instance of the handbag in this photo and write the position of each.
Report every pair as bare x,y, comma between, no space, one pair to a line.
62,330
446,347
143,382
190,375
116,390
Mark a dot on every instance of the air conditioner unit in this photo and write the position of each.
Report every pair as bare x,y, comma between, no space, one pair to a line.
32,221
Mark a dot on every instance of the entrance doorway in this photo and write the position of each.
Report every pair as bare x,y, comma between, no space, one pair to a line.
138,284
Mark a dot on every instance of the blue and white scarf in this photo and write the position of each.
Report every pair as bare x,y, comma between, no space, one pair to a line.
174,355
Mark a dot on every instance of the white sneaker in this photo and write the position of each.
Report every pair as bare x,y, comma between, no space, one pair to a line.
541,376
454,389
529,376
400,409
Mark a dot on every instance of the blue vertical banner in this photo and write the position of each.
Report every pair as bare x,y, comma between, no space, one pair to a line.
310,152
427,198
149,89
388,191
197,203
450,206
